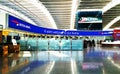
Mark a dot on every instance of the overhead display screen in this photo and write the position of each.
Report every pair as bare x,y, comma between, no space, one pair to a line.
89,20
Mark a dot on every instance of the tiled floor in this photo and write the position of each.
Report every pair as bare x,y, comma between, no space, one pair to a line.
90,61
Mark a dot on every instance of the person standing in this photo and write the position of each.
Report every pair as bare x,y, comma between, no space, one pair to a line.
93,43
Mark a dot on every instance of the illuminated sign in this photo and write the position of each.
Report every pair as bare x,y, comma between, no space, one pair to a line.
5,32
116,34
89,20
19,24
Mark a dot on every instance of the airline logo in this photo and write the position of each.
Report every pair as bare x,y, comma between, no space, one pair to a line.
89,19
20,24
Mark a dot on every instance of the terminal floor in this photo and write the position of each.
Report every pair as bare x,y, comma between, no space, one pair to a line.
90,61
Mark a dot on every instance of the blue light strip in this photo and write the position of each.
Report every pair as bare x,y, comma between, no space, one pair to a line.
19,24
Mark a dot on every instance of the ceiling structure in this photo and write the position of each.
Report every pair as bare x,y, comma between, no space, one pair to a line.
92,4
60,14
111,15
60,11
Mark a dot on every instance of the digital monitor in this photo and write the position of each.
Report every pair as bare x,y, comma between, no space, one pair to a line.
89,20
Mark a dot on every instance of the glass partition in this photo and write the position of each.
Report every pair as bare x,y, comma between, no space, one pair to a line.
51,44
54,44
65,44
32,43
42,44
23,43
77,45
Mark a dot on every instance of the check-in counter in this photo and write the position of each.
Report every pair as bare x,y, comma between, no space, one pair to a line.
111,44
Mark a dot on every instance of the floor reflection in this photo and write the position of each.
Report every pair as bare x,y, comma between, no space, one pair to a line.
4,65
89,61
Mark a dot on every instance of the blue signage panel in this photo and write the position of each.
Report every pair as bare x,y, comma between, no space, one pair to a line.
16,23
19,24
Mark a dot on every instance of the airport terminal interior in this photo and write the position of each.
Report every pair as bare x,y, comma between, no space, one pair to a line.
59,36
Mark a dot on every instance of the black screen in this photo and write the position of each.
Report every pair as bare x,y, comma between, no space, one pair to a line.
89,20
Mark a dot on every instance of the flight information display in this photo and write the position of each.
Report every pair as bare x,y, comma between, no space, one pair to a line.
89,20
